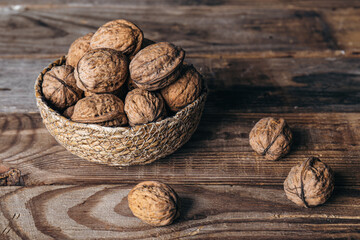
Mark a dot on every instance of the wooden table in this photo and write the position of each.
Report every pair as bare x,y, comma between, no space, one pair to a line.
293,59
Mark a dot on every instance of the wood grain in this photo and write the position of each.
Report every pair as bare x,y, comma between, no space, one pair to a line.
101,211
204,28
236,85
218,152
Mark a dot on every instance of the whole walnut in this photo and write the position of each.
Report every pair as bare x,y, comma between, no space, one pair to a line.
103,109
154,202
101,70
77,49
59,87
184,90
310,183
156,66
142,107
120,35
271,137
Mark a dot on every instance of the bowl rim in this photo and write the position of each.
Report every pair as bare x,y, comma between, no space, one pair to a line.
168,120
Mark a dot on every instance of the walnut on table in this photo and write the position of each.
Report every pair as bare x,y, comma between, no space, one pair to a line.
271,137
154,202
310,183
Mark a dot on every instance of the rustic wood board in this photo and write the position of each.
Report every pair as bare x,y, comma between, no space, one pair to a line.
222,28
208,212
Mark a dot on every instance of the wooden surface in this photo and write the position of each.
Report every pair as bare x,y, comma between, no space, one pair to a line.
293,59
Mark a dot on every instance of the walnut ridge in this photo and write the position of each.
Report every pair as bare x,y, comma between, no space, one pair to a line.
310,183
142,106
103,109
156,66
78,49
101,70
59,87
154,202
271,137
120,35
184,90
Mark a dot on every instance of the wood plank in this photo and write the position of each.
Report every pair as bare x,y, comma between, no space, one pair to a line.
101,212
218,152
236,85
224,29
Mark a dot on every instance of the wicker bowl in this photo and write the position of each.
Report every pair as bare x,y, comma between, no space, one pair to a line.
120,146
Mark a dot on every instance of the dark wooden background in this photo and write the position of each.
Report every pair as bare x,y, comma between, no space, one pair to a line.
293,59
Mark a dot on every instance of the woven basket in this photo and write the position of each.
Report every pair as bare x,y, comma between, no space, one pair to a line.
120,146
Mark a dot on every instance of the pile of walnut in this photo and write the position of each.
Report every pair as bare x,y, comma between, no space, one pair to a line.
308,184
114,77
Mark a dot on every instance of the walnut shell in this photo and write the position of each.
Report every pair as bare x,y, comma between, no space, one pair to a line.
59,87
271,137
120,92
156,66
103,109
77,49
142,106
120,35
69,112
184,90
310,183
154,202
101,70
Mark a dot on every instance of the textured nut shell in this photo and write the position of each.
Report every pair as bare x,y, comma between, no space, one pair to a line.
142,106
69,112
103,109
77,49
120,35
59,87
184,90
271,137
156,66
101,70
120,92
309,183
154,202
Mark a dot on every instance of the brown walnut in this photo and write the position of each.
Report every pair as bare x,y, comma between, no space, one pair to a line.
120,92
103,109
142,106
59,87
101,70
69,112
184,90
310,183
120,35
271,137
154,202
77,49
156,66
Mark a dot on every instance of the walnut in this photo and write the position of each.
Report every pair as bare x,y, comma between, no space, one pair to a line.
271,137
184,90
103,109
59,87
156,66
120,35
77,49
310,183
154,202
142,106
101,70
